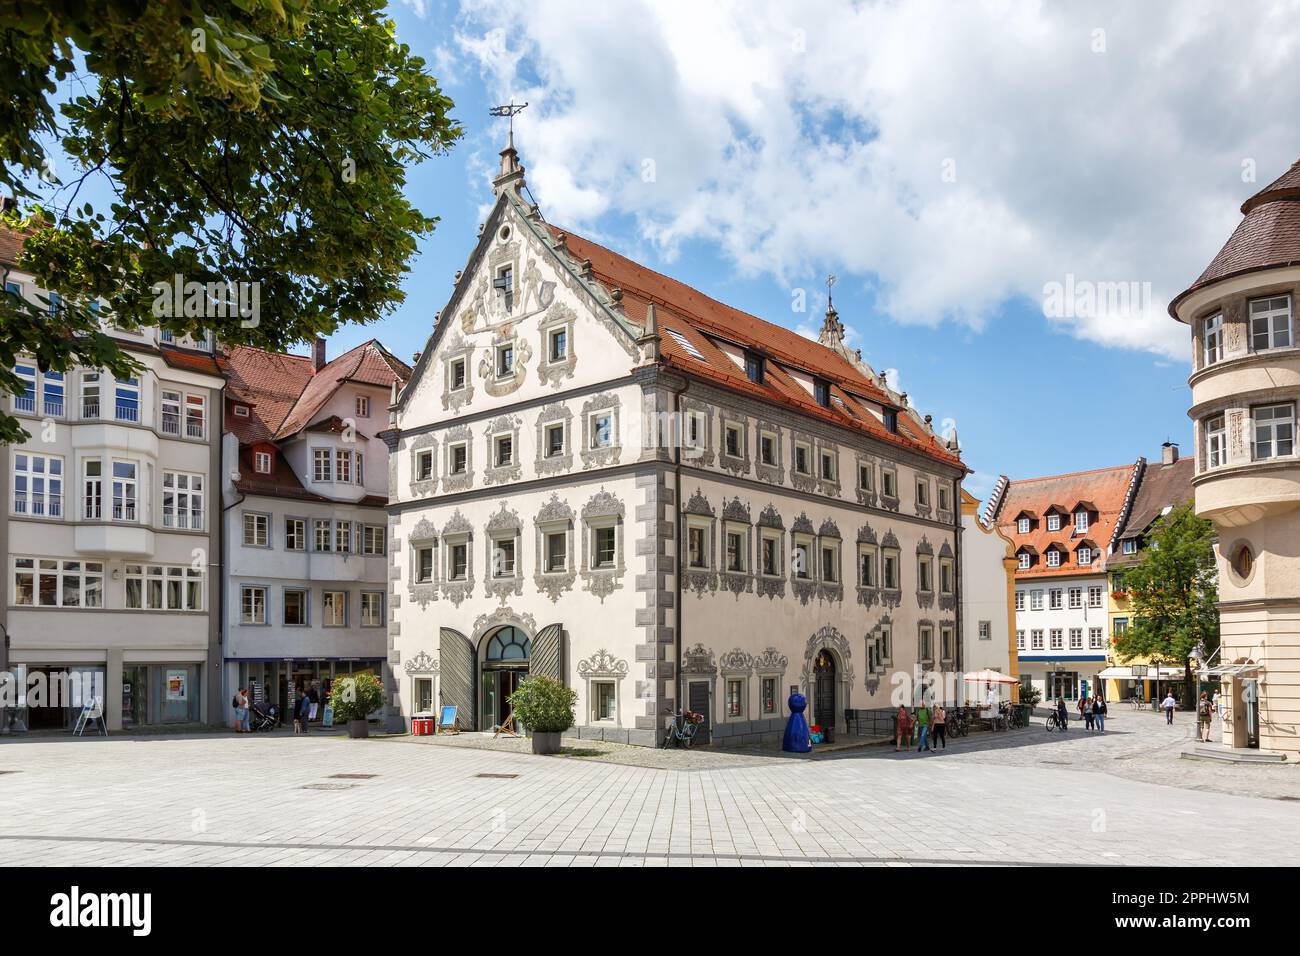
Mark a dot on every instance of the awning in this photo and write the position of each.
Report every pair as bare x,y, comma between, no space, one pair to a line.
1229,670
1125,672
990,677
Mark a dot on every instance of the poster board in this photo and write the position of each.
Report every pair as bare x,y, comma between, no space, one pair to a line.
327,718
177,684
447,720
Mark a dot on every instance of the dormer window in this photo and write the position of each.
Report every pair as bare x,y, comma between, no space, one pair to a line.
504,283
1080,522
1085,556
822,392
241,411
754,368
891,421
262,462
1053,558
1054,522
1022,526
1130,546
1024,560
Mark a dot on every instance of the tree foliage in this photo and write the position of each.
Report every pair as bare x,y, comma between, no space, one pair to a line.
250,141
1173,593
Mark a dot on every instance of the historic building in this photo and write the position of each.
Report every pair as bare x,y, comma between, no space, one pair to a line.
601,474
111,542
306,539
1063,528
1163,488
1245,385
988,588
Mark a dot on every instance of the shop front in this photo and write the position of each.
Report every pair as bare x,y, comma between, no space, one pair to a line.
283,682
161,694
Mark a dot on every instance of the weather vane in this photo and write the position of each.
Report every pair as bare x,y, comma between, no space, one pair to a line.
830,281
509,110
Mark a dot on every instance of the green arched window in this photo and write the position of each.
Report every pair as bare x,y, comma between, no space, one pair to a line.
507,645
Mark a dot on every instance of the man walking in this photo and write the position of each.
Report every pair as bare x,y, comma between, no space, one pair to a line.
923,728
1169,704
1204,710
1099,713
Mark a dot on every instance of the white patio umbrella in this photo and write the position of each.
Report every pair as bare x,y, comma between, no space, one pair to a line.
989,677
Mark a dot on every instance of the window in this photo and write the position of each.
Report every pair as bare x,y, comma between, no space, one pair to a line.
1076,638
889,483
458,556
1270,323
559,345
922,493
802,561
735,698
343,537
754,367
424,695
196,408
736,551
1117,583
767,449
38,485
696,550
26,400
1057,639
924,566
1274,431
802,454
424,565
1076,598
52,393
1020,600
925,643
1216,443
93,490
605,547
458,459
885,643
986,631
295,534
1085,556
767,691
322,465
124,490
732,441
1130,546
503,558
1022,526
557,552
423,465
828,466
946,643
1080,522
864,477
1023,560
867,568
889,570
262,462
372,608
771,566
373,539
457,375
48,582
1094,596
257,530
1036,640
295,607
554,441
822,392
1212,332
604,700
342,465
252,602
945,502
1036,600
1020,640
890,416
1121,626
128,400
1053,558
1054,599
1096,639
182,500
695,424
503,451
362,406
602,430
504,283
830,563
945,575
505,360
335,607
322,534
1054,522
89,394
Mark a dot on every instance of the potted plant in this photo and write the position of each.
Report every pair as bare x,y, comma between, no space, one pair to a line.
545,707
354,698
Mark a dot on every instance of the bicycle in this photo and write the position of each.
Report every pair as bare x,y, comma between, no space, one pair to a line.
1136,702
683,729
959,723
1054,722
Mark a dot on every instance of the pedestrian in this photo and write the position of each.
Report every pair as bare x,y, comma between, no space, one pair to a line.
1085,708
304,715
1169,704
1099,713
1203,714
923,728
296,707
1062,715
902,728
940,733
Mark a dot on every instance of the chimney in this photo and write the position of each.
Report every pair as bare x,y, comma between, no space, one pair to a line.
1168,453
318,353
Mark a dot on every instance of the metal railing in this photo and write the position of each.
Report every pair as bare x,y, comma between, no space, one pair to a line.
53,406
45,505
194,429
25,403
123,509
89,408
171,423
184,519
128,413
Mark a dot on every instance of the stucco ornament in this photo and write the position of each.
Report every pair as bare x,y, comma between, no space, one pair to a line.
602,664
422,663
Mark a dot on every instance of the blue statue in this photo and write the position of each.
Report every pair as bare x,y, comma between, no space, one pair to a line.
797,739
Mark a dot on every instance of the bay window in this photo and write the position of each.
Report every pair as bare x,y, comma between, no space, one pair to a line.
38,485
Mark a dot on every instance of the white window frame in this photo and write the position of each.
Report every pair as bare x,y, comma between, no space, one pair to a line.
252,604
322,468
295,537
361,408
28,570
372,616
374,539
253,521
262,462
1022,526
1081,522
1216,442
186,508
1054,521
1276,426
1266,332
28,503
334,613
1212,338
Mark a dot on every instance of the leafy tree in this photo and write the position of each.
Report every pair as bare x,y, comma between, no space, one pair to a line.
250,141
1173,592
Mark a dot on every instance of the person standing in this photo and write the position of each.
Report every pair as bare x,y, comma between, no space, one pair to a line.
923,728
1099,713
1204,712
940,732
1085,708
295,707
1062,714
1169,704
902,727
304,714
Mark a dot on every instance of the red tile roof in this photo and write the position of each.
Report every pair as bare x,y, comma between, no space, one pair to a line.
1106,488
369,364
11,244
1267,238
700,320
282,482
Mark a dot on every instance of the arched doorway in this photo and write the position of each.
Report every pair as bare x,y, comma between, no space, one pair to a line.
824,689
507,654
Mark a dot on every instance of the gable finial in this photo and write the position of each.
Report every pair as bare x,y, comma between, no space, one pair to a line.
832,332
512,171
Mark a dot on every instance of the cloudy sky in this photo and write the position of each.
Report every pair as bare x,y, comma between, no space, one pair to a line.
952,163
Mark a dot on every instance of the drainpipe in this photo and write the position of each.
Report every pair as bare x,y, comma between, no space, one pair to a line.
959,627
677,544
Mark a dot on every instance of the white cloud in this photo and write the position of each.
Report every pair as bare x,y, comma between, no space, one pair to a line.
957,155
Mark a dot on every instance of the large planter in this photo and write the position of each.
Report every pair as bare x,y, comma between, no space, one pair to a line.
358,728
546,742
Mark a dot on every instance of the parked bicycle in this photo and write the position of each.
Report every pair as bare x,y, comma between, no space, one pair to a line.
959,722
683,729
1136,702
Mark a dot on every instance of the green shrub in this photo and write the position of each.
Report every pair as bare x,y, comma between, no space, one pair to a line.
1030,695
356,697
544,705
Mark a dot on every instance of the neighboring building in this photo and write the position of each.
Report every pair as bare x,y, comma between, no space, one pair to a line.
580,427
305,491
988,589
112,537
1063,528
1245,387
1164,487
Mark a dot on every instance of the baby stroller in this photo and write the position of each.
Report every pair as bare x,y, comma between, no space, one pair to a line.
267,719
